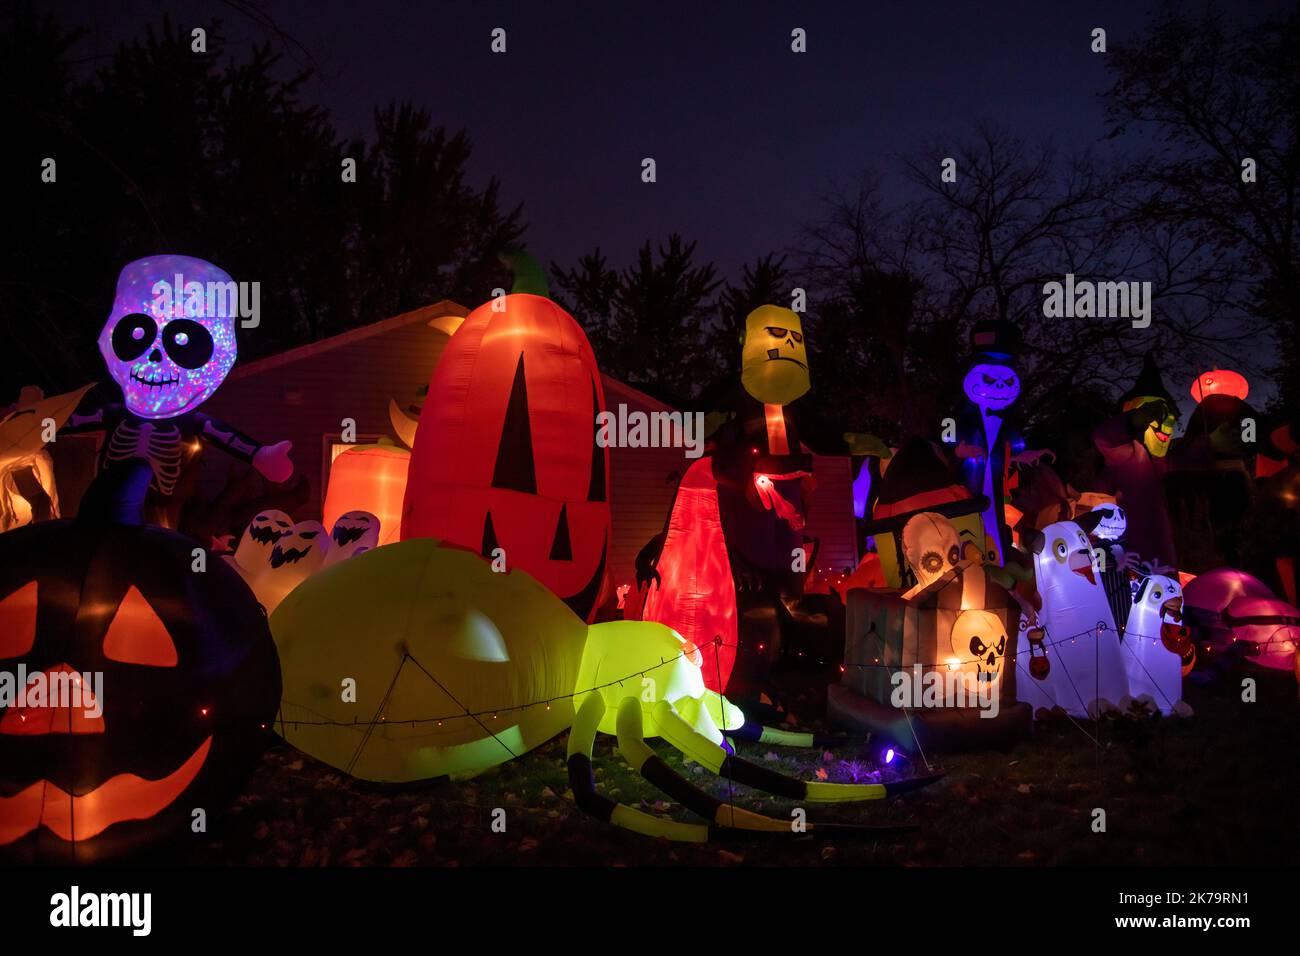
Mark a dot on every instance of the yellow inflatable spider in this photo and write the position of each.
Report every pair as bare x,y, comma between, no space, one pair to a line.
415,661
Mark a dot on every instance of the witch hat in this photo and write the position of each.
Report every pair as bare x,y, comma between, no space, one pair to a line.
919,479
1149,385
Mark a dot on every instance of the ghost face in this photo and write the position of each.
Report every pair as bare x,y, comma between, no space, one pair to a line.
170,339
774,359
992,387
354,533
932,547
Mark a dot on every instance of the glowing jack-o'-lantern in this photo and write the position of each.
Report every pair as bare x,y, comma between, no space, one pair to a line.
1220,381
505,460
148,693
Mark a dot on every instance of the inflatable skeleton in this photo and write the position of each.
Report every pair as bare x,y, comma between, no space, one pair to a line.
169,343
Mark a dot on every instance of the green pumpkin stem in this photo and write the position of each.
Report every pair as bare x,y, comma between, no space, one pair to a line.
530,277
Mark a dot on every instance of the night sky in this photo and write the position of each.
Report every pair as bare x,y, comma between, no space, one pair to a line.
746,134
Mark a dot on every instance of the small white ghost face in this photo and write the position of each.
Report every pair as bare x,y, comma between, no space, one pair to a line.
354,533
261,535
1064,549
993,387
294,558
304,546
979,641
932,547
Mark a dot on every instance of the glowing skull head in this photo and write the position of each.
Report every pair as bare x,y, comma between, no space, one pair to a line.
979,640
170,339
1113,523
992,386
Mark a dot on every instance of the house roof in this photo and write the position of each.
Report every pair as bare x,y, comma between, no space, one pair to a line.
426,314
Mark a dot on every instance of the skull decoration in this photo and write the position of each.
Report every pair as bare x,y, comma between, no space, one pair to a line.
170,339
1113,522
979,640
932,547
992,387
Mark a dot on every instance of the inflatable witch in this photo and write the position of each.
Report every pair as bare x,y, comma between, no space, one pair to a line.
1133,445
169,343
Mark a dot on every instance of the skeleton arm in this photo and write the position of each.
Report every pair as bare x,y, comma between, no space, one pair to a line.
272,461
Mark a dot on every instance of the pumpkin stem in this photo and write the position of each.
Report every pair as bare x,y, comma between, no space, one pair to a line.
530,277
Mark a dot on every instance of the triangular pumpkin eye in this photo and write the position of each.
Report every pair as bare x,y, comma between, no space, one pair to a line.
138,636
18,621
514,466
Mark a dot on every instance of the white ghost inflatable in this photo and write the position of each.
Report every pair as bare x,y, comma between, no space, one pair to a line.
294,558
255,545
1032,690
1152,668
353,533
1086,662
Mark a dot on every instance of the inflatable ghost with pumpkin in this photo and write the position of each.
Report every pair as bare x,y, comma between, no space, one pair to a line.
1087,666
1157,648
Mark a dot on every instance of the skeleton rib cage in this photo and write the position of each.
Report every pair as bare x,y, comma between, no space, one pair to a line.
160,445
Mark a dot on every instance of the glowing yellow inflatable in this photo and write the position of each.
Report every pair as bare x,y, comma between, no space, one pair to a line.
413,661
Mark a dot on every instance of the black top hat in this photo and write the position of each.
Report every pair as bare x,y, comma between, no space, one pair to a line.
995,339
918,479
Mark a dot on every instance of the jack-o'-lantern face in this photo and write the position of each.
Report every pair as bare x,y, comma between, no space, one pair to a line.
774,357
506,461
134,689
992,387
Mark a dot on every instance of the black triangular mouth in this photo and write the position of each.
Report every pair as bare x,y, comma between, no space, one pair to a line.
583,601
561,543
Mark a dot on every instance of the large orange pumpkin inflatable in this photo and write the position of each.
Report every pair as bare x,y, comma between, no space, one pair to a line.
505,460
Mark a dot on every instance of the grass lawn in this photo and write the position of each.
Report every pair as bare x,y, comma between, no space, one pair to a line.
1218,788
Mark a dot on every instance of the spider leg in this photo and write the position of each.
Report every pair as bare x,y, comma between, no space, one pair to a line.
724,816
583,784
703,751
